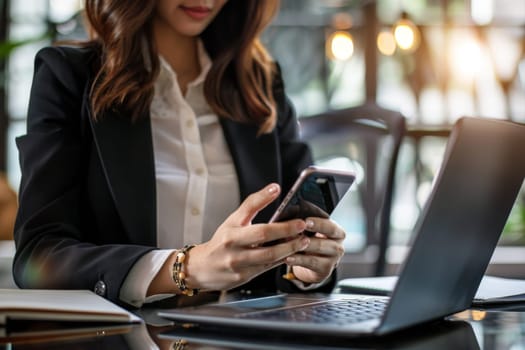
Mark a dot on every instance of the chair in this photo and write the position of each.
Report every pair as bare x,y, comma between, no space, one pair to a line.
368,137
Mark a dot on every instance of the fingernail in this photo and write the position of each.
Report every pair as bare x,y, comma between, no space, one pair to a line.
309,223
273,189
290,260
305,242
300,226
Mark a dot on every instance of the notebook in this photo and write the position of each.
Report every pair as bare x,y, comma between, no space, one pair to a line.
59,305
454,238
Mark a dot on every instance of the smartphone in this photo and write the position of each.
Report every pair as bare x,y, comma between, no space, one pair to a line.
316,193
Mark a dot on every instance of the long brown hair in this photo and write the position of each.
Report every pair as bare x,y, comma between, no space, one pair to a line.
238,85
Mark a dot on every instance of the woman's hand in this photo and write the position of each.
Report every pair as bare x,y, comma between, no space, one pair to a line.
322,255
237,251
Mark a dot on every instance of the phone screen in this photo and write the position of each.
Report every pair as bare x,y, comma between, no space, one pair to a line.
316,193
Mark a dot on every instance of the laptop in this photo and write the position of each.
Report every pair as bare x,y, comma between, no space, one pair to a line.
480,177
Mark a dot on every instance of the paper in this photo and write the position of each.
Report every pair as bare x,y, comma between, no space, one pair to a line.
491,289
500,290
60,305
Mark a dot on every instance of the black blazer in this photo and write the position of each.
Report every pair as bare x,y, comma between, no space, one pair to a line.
87,197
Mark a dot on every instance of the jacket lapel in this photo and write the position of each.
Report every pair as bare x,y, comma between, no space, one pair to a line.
255,160
125,149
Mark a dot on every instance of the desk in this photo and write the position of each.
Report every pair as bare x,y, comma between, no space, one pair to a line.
471,329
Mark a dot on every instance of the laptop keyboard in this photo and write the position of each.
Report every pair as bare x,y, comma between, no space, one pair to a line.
334,311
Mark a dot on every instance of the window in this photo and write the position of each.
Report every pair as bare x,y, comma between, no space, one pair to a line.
468,58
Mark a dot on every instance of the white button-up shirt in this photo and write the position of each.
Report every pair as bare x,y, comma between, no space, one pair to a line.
196,181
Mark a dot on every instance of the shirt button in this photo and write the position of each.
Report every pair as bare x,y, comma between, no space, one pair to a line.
195,211
199,171
100,288
189,123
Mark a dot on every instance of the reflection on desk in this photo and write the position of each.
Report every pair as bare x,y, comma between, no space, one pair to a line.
442,335
472,329
111,337
57,336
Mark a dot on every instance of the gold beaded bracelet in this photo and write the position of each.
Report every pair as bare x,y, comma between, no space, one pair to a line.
289,275
179,277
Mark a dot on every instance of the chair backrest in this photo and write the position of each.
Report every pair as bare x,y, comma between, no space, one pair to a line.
369,137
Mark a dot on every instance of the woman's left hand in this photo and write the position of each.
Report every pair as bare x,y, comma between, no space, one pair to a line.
318,260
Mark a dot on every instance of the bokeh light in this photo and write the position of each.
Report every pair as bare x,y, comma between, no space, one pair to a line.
386,43
340,46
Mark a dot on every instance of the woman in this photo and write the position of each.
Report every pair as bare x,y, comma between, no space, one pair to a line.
168,128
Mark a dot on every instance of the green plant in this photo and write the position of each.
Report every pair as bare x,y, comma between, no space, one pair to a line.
514,231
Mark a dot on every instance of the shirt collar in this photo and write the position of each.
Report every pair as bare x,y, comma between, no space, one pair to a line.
204,60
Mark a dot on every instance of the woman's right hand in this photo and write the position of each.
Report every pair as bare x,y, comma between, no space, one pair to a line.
237,252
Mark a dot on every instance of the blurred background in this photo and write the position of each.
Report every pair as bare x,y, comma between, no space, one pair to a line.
432,60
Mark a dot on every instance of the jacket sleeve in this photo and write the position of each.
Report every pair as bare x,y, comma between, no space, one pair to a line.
53,246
